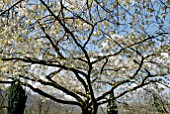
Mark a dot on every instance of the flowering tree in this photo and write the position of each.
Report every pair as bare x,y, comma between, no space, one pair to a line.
85,49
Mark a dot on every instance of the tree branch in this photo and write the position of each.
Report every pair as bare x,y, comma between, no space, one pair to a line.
55,85
46,63
50,96
11,7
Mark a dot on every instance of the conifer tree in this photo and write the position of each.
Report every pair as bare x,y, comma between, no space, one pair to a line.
112,106
16,99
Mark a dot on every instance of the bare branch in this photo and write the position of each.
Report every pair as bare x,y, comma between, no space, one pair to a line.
50,96
42,62
57,86
7,10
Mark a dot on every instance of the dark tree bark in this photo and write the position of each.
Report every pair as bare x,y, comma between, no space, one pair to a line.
86,111
90,110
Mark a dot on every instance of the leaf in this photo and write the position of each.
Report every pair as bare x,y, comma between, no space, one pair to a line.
150,10
119,1
163,15
168,2
18,39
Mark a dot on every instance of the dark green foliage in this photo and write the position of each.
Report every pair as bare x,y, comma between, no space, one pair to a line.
112,106
3,101
16,99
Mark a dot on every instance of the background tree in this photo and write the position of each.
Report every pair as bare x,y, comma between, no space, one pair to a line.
152,99
112,106
16,98
3,102
156,96
40,105
85,49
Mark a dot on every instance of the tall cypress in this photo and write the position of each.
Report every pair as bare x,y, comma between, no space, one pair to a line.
16,98
112,106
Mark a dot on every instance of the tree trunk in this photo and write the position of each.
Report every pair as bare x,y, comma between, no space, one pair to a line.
86,111
89,110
